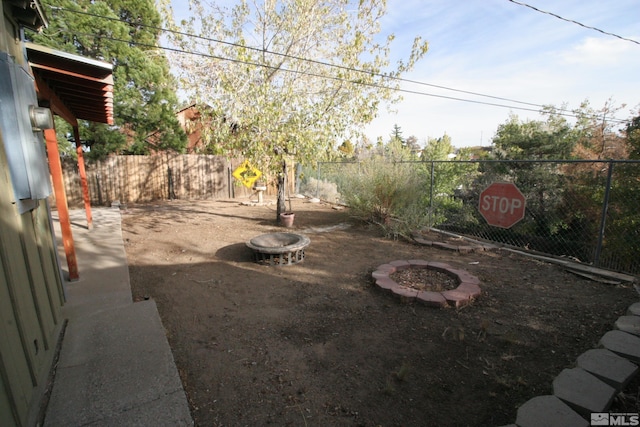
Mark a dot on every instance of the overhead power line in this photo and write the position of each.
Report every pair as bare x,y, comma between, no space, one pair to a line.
309,73
539,107
573,22
313,61
558,111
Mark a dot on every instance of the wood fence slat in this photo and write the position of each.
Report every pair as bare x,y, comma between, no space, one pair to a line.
137,179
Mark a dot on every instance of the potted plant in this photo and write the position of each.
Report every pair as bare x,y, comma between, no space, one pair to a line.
286,219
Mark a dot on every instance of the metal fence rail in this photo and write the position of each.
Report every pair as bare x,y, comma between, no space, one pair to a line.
586,210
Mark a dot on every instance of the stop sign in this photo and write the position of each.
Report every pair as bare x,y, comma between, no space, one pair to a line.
502,204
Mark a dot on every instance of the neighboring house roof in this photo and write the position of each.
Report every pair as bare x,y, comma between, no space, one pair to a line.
189,120
77,87
195,120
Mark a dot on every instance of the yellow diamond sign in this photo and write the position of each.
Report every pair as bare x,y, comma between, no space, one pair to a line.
247,174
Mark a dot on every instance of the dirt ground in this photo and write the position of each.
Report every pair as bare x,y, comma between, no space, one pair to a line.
317,344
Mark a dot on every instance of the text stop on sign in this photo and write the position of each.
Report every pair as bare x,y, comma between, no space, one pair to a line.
502,204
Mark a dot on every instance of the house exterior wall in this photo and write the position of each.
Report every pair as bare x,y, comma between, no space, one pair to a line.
190,120
31,293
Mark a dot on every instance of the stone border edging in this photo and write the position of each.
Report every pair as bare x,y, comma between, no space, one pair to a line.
588,389
468,285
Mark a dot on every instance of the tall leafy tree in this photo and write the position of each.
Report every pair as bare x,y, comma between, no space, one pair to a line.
124,33
534,140
288,79
543,184
438,148
596,135
412,143
633,138
396,134
445,178
623,217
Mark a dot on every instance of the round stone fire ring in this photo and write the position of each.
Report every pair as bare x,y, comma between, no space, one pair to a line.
279,248
468,285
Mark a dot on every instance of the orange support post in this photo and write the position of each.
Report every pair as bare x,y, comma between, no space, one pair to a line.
61,202
83,178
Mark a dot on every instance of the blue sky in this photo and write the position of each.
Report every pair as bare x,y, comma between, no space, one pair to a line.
499,48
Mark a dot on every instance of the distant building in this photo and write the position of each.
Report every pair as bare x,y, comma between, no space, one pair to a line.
478,152
196,120
190,119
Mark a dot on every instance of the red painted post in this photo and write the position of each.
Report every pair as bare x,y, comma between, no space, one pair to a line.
83,178
55,167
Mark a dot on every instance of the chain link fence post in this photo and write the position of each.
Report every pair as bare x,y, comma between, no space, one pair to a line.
603,217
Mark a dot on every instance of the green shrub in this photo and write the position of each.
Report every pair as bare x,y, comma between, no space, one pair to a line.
322,189
388,194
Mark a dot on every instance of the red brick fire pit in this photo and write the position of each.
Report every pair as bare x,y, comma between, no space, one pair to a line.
468,285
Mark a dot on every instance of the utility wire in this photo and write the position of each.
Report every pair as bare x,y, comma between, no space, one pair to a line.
573,22
304,73
340,79
313,61
559,111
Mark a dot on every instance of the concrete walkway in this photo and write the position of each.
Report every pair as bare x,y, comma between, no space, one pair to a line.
115,365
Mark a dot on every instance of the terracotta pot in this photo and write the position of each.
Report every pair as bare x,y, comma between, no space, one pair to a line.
286,219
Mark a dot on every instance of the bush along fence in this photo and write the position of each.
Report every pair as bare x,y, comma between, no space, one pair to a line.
585,210
138,179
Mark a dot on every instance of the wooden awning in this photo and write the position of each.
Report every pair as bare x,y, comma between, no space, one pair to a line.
76,87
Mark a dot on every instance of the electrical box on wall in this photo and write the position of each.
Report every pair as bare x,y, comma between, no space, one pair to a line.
21,124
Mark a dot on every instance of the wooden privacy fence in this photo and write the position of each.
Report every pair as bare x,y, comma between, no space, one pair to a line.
136,179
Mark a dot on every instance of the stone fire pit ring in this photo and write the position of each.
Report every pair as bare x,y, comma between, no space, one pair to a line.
468,285
279,248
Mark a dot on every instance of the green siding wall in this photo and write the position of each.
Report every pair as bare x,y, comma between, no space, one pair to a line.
30,302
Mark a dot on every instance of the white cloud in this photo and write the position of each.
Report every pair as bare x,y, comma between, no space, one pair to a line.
600,52
501,49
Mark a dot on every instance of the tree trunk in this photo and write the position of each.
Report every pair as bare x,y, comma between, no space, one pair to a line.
281,205
282,185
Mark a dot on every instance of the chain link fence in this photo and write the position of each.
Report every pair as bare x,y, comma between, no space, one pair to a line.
584,210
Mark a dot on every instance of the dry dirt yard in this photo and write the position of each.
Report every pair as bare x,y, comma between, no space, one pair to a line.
317,344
